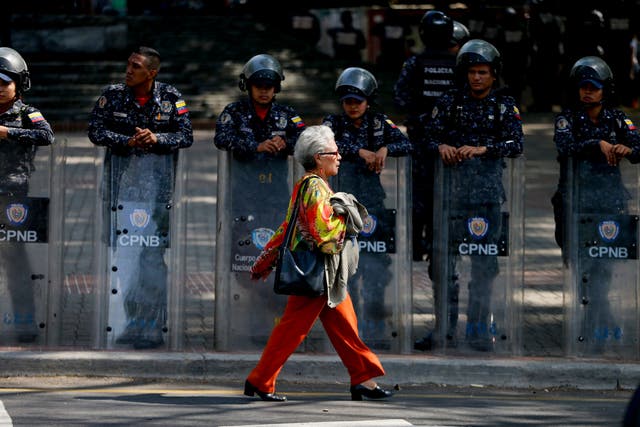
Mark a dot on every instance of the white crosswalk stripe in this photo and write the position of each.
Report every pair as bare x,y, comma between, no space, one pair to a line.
5,419
374,423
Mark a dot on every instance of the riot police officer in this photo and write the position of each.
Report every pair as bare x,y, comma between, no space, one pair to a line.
547,46
257,127
596,137
513,41
459,36
392,31
423,78
365,138
23,129
347,40
143,123
258,135
473,128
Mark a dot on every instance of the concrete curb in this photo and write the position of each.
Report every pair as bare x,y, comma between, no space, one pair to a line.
403,370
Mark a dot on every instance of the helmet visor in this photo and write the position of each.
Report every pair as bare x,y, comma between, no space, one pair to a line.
596,83
353,96
6,78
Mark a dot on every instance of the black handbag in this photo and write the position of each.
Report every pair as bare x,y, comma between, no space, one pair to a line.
298,272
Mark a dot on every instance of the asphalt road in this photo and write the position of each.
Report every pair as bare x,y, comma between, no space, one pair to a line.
66,401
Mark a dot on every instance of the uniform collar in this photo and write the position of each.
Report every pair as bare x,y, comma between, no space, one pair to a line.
155,93
15,108
347,120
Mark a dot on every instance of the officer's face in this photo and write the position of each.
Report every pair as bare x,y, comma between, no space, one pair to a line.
480,79
262,94
590,94
7,92
354,108
138,72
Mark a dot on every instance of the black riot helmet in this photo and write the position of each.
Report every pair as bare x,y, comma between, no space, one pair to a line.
594,20
594,70
477,51
13,66
436,29
460,34
261,68
355,82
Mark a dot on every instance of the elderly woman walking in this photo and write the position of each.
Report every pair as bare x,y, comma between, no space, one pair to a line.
325,224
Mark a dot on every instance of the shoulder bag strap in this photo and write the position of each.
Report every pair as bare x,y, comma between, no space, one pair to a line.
294,216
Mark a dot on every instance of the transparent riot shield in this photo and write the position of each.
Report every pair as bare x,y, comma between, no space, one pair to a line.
601,253
28,244
478,256
139,252
252,203
381,288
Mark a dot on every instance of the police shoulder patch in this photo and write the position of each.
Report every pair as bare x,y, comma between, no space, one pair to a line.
181,107
562,124
297,120
102,101
630,124
517,112
225,118
36,117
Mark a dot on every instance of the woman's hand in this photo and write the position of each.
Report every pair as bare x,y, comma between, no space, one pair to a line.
260,275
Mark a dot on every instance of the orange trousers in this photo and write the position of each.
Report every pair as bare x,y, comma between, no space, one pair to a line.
341,326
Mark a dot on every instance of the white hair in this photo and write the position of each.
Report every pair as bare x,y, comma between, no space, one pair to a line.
312,140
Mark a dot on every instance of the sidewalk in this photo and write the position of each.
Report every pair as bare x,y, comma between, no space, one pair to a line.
521,373
541,365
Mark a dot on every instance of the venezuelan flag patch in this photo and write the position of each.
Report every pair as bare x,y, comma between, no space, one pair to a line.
181,106
630,124
517,112
390,122
297,121
36,117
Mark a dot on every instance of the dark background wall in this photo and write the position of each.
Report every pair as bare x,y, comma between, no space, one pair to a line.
74,48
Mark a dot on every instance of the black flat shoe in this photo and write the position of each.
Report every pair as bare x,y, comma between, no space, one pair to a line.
251,390
359,391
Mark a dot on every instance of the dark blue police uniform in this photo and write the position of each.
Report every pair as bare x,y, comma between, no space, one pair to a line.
602,191
367,286
493,122
141,175
27,130
239,129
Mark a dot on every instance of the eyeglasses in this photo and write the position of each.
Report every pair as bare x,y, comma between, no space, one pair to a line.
330,153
